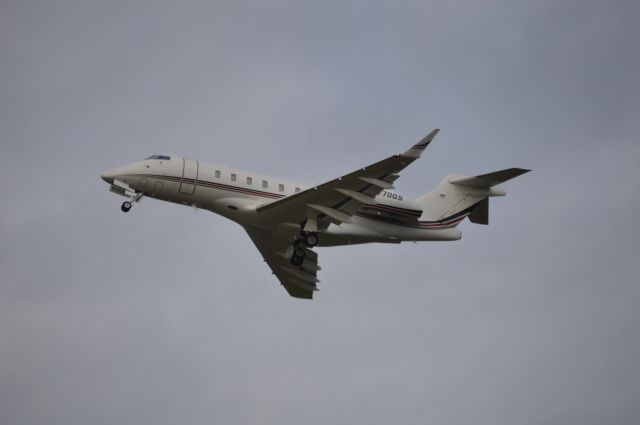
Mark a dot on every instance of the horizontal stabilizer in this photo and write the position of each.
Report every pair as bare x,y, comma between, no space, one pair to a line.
490,179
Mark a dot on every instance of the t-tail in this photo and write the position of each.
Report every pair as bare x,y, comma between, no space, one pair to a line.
458,196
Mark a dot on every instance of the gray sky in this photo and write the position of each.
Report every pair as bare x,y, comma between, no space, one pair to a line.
166,315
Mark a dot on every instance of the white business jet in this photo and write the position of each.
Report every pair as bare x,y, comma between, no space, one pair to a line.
286,219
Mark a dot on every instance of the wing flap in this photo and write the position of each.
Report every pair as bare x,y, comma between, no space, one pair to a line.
301,284
300,273
298,291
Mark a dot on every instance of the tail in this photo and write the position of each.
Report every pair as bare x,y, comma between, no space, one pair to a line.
458,196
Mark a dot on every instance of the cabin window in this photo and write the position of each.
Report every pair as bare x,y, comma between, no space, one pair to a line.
218,174
265,184
233,177
249,180
297,189
281,187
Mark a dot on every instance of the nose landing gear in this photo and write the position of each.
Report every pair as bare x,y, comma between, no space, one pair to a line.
127,205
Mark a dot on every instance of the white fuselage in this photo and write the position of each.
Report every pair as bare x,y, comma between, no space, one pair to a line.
236,194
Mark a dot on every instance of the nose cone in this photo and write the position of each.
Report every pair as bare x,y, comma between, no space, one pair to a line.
121,172
108,176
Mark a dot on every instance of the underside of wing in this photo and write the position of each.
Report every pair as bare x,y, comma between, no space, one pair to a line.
299,281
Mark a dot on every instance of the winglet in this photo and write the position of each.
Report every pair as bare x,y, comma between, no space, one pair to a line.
417,149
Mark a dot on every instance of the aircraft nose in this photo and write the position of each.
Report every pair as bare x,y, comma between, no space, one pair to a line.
108,176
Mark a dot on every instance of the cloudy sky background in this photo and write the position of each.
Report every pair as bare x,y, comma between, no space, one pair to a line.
167,315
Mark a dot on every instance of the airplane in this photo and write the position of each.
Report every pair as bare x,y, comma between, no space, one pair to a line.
286,219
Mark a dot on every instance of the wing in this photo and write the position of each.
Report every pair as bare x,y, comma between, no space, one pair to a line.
300,282
338,200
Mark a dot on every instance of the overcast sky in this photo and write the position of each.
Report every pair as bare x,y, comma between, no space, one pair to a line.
166,315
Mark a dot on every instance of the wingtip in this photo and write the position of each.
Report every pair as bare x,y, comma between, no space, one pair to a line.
428,138
422,144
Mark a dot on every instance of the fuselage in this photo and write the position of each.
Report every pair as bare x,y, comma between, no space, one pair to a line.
236,194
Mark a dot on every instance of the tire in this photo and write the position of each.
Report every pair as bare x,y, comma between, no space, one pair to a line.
297,261
311,240
299,252
126,206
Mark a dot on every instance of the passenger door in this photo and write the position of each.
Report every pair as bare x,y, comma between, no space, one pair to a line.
189,176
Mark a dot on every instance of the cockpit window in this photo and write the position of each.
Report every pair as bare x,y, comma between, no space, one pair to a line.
166,158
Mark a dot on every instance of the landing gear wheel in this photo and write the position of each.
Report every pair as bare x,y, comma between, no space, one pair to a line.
311,240
299,252
126,206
